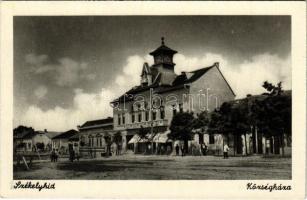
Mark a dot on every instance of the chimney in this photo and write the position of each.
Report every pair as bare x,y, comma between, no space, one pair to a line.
45,131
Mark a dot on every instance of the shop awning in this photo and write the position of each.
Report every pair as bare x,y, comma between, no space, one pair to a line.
162,137
136,139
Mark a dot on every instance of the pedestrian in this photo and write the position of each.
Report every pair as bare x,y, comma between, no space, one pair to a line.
52,155
177,150
205,149
162,150
77,155
226,149
71,155
149,148
182,151
56,155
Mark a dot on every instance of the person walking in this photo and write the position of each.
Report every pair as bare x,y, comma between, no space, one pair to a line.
177,150
182,151
149,148
56,155
52,155
205,149
226,149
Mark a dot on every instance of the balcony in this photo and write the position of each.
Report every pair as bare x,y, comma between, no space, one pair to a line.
159,122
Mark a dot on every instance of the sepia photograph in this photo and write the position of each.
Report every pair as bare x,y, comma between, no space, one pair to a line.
182,100
192,97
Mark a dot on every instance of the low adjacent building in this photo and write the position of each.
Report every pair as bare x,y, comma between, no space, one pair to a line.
62,143
93,136
34,140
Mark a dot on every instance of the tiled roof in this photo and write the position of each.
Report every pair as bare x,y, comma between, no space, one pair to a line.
163,48
177,82
97,122
29,135
21,135
74,137
49,134
197,74
66,135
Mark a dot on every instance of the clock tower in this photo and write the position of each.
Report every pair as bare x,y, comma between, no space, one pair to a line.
163,58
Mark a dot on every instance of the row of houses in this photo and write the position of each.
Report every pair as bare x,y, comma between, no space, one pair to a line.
27,140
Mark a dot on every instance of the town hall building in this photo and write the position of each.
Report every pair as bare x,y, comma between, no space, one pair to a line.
162,93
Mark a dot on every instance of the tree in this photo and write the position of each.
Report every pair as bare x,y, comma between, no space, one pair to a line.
181,127
22,129
275,114
272,114
241,120
230,118
202,120
272,89
201,123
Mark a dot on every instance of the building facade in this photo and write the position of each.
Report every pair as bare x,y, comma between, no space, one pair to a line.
61,142
161,93
94,137
34,141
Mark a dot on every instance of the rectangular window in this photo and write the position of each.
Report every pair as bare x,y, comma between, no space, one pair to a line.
211,139
100,141
174,112
119,119
180,108
132,118
124,119
146,115
154,115
140,117
97,140
162,112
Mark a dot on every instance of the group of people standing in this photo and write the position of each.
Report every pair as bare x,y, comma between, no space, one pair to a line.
203,150
54,155
73,154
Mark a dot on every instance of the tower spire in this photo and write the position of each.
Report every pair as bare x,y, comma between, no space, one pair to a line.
162,40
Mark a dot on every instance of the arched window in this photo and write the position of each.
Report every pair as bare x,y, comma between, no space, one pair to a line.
180,108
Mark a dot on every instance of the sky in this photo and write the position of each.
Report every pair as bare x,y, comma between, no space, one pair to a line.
68,69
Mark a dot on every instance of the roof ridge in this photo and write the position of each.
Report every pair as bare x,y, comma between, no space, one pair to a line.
197,70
